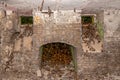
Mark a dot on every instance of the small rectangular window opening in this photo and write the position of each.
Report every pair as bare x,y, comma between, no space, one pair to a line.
26,20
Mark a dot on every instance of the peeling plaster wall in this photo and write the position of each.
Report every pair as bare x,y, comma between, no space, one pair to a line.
7,24
112,22
62,27
59,27
58,17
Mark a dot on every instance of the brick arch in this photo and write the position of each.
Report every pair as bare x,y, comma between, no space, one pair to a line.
57,41
69,44
50,33
73,52
39,41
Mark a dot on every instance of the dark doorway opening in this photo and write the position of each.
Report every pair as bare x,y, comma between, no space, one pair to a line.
56,54
59,58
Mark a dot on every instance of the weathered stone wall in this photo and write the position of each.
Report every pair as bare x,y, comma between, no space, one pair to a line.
104,65
60,27
7,28
112,39
112,22
50,29
57,28
15,51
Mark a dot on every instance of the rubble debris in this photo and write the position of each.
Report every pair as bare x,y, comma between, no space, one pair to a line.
56,54
90,35
57,62
58,73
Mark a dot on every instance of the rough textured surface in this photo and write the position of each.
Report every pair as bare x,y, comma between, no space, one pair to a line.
19,58
112,22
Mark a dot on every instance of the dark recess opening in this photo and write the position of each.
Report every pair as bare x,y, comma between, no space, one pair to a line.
59,57
87,19
26,20
56,54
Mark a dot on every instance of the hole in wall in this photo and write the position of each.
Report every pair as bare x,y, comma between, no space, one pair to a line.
26,20
92,34
56,54
26,26
87,19
58,58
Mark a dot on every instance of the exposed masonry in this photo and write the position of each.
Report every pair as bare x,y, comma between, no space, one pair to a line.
19,54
